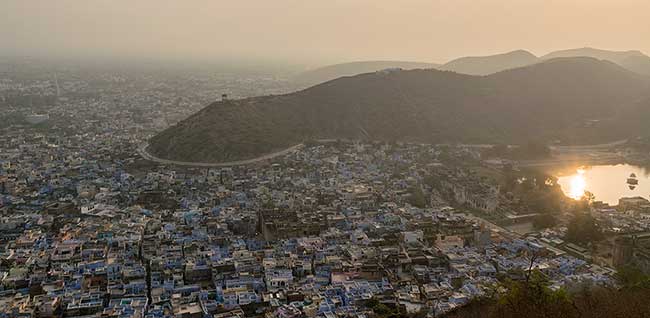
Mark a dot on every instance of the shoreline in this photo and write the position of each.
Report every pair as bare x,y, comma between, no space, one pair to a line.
577,150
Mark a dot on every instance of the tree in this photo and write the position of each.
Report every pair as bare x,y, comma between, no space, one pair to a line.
631,276
583,229
588,197
534,150
544,221
540,192
417,197
384,311
432,181
510,178
533,298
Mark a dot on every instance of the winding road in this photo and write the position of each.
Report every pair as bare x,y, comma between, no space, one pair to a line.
142,150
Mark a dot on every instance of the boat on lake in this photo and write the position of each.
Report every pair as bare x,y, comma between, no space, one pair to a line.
632,179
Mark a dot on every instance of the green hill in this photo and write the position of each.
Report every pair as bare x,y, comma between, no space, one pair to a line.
550,101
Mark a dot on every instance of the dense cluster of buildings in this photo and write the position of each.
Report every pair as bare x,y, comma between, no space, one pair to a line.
90,229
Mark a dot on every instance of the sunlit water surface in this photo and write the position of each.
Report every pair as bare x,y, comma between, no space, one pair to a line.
608,183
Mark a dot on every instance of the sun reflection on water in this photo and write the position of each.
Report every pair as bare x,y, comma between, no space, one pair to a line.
608,183
578,185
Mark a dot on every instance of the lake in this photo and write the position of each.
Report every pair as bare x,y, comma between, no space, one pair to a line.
608,183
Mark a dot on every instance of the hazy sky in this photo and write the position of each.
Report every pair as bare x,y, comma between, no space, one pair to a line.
317,31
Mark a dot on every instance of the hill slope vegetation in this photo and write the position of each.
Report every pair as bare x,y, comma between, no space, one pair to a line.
552,100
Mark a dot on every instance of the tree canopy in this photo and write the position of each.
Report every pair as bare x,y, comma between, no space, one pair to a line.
583,229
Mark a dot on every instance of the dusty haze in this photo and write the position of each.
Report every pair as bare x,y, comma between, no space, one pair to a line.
317,31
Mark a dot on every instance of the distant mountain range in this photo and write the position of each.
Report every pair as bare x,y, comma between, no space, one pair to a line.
485,65
574,100
618,57
634,61
328,73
